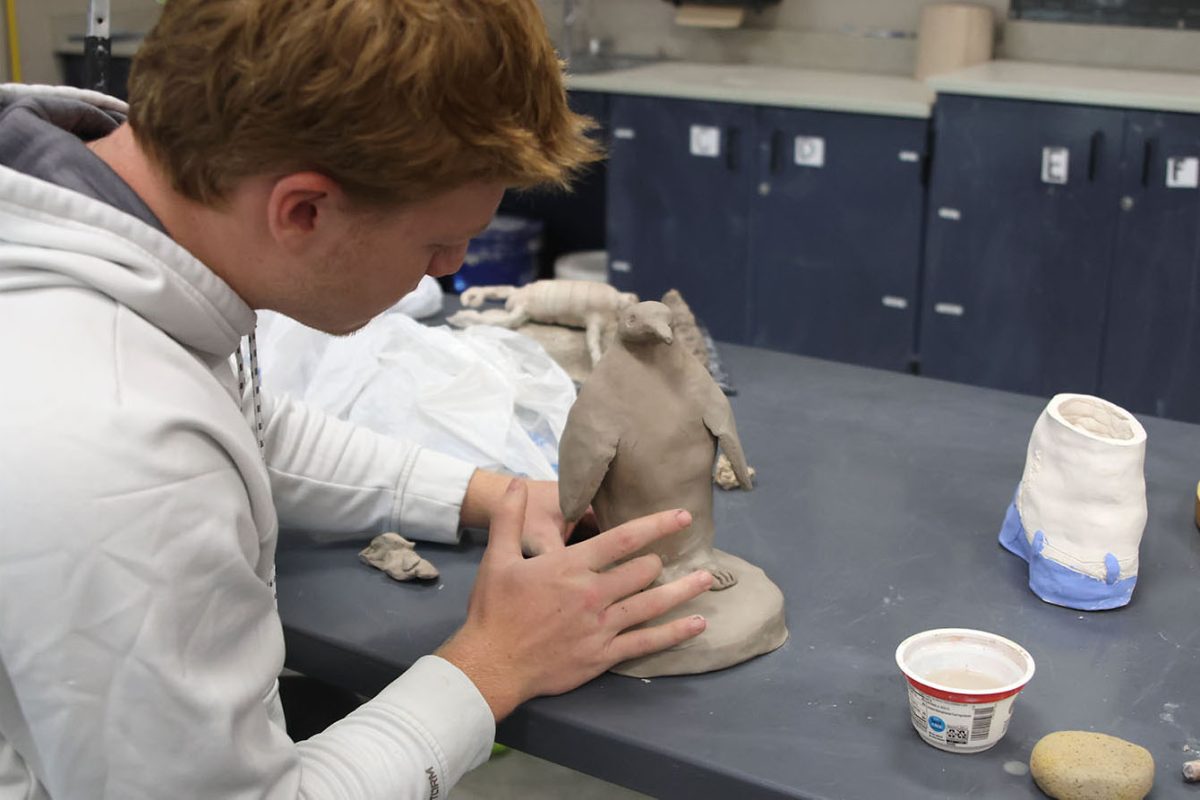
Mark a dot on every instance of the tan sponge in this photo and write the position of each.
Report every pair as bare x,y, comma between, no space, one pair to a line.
1079,765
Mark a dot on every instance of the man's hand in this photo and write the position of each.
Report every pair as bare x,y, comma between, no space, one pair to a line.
544,528
545,625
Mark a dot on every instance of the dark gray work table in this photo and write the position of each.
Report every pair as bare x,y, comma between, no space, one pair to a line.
878,503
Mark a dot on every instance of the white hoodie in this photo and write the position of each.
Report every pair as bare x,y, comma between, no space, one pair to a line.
139,638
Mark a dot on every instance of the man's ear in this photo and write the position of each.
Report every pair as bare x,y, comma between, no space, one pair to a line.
300,207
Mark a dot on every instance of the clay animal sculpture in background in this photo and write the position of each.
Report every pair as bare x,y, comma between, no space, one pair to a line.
577,304
642,437
684,326
398,557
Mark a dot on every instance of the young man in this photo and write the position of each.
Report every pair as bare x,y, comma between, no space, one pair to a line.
314,157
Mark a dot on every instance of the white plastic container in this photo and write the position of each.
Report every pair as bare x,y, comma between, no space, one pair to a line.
585,265
961,686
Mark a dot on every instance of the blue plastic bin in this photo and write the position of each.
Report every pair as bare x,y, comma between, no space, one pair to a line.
505,254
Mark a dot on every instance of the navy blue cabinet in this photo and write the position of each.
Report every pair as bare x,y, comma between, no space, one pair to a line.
574,220
836,235
1152,340
790,229
678,205
1021,226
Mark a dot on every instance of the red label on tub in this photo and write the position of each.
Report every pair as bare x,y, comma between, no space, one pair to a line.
955,697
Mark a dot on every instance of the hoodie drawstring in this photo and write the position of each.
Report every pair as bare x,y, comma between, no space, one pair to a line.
255,386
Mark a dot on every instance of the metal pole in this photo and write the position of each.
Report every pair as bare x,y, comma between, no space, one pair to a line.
14,42
97,47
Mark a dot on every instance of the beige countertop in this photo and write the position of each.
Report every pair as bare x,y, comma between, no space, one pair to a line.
1121,88
771,86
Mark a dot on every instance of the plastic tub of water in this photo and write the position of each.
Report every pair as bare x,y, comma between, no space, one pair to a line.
962,685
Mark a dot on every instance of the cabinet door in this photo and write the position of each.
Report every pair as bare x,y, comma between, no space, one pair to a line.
677,205
1152,342
1022,207
836,235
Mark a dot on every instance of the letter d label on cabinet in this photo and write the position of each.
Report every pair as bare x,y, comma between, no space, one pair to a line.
810,151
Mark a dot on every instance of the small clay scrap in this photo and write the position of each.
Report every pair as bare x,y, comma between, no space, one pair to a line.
725,477
576,304
1191,771
398,557
1080,765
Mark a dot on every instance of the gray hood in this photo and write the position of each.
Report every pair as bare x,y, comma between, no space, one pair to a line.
53,236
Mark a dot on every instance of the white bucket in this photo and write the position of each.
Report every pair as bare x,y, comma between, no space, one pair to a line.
585,265
961,686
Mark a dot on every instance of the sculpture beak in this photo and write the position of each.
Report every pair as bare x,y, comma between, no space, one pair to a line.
664,332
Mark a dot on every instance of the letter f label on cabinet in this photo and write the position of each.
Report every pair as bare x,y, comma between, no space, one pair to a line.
1055,164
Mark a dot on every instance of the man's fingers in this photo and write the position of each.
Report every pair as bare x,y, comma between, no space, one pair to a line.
632,576
625,540
584,529
588,522
537,544
647,605
508,521
645,641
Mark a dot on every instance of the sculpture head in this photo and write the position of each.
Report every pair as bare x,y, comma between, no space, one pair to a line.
648,322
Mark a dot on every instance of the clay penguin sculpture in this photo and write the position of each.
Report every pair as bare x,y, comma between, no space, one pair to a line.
642,437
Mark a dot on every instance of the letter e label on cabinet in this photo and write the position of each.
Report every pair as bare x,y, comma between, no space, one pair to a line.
1183,173
810,151
705,141
1056,162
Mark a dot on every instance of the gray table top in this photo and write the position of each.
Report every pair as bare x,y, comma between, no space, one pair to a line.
878,504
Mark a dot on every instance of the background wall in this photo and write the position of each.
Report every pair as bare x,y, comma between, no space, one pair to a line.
46,25
861,35
833,34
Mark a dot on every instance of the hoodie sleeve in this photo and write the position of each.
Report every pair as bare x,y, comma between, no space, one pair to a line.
140,642
334,476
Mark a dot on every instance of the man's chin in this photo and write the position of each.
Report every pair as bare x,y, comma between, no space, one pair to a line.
350,330
335,328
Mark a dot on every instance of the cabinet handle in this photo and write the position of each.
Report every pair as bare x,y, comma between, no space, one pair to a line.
775,162
1094,154
1148,159
732,138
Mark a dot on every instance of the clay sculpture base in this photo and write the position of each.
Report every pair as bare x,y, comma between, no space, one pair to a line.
744,621
567,346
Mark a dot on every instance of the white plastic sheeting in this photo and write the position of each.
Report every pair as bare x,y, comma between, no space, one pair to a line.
486,395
